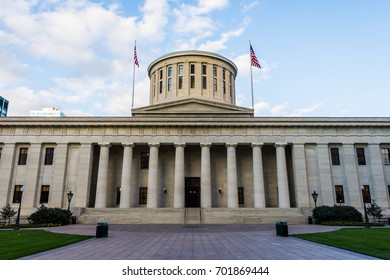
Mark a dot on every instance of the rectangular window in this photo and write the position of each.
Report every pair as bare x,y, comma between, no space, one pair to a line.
154,84
339,194
49,156
230,87
180,83
169,84
366,194
44,194
215,71
1,149
215,85
204,76
143,195
361,159
388,188
204,69
334,152
385,156
240,195
18,191
161,81
170,71
23,156
192,77
144,160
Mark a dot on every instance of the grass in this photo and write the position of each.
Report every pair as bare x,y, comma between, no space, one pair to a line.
20,243
371,241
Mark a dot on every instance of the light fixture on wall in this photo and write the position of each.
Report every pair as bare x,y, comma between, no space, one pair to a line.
220,191
165,190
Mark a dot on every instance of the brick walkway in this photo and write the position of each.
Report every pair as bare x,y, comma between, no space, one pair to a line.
205,242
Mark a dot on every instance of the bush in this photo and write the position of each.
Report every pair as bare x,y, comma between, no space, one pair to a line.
375,211
7,212
45,215
336,213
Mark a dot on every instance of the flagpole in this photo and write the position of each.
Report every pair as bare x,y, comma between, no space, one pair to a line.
132,98
250,65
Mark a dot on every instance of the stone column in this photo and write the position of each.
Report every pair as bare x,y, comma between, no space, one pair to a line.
281,168
178,192
102,180
153,176
85,175
326,196
379,188
7,166
57,189
205,177
125,201
258,177
353,191
232,190
33,170
302,193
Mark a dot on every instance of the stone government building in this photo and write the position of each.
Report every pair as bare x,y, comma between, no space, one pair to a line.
193,156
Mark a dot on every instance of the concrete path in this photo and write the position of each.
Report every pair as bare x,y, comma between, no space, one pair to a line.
199,242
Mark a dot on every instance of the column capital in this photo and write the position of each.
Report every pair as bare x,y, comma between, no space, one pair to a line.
280,145
128,145
107,145
231,145
179,145
205,145
154,145
298,144
253,145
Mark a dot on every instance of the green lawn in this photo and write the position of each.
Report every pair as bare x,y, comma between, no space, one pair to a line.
20,243
371,241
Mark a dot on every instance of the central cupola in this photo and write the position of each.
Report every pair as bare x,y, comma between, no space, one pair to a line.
192,74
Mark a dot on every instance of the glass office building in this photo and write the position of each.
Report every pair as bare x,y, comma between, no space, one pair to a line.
3,106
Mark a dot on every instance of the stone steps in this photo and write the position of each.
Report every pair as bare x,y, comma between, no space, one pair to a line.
192,216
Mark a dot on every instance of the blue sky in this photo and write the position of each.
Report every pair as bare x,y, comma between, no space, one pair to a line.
319,58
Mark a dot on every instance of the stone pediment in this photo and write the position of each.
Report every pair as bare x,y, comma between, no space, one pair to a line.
192,107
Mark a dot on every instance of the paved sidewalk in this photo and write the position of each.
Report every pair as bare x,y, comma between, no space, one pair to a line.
199,242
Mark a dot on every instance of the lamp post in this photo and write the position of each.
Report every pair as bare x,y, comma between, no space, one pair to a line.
70,196
366,222
17,223
315,196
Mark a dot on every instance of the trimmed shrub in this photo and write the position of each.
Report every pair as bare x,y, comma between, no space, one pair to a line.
336,213
45,215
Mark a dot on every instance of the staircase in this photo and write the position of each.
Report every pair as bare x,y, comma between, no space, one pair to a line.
192,216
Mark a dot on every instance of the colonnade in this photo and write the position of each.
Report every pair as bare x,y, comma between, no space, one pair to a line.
205,176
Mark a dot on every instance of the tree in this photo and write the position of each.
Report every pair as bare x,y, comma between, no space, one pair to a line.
7,212
375,211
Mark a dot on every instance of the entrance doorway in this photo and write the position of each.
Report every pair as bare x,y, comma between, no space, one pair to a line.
192,194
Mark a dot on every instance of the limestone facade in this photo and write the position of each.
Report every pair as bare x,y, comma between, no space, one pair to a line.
193,152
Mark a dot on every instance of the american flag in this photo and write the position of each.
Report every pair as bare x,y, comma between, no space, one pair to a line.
254,61
135,57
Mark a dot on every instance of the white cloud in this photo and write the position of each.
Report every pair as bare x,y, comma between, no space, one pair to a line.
304,111
250,6
11,69
243,64
279,110
21,101
261,107
283,110
220,44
